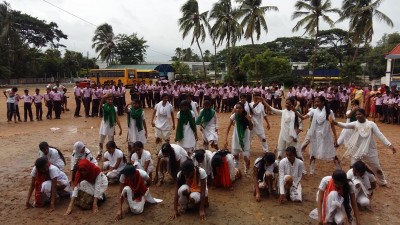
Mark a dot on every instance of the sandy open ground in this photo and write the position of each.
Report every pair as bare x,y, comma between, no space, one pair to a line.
19,149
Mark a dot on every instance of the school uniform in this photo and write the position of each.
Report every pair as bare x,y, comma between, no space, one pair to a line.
258,127
140,162
28,99
106,129
11,104
53,156
87,93
193,188
111,161
57,100
163,120
363,186
48,99
236,147
38,105
78,99
295,170
188,141
134,134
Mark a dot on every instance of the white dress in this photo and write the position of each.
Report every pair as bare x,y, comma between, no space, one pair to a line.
133,133
362,186
288,132
236,147
105,128
322,143
86,155
294,170
209,129
111,160
163,118
97,189
188,141
180,154
54,172
258,119
206,164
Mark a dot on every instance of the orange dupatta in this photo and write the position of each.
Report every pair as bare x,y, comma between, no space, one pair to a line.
330,187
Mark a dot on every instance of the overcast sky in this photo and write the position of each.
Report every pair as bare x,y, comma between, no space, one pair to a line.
156,21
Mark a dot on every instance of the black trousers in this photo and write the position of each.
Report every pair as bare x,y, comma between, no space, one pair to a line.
78,102
150,99
95,107
28,109
57,108
39,111
278,103
49,106
157,98
142,98
86,104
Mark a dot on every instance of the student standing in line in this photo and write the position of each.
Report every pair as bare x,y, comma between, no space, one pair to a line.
38,104
28,100
48,99
10,95
78,99
186,132
57,100
163,113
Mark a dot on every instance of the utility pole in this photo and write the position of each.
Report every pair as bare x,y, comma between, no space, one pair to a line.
87,64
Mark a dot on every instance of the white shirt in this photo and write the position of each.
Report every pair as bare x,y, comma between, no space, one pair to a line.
180,154
86,155
146,156
325,181
163,114
53,157
54,173
114,158
206,164
286,168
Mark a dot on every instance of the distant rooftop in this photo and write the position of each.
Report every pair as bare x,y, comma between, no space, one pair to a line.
394,53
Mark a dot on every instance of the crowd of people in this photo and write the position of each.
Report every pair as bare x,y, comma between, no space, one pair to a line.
194,168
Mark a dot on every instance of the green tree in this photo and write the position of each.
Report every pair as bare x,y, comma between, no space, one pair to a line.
226,26
297,49
350,71
336,42
181,68
311,13
361,14
254,20
195,22
323,60
130,49
72,62
103,42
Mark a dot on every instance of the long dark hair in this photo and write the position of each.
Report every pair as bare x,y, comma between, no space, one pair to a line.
340,176
327,109
112,144
296,118
268,157
242,118
216,160
188,166
166,149
361,167
44,145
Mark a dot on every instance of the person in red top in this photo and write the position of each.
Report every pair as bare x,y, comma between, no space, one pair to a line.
89,186
133,189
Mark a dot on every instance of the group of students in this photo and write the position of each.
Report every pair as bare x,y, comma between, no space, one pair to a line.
54,99
193,168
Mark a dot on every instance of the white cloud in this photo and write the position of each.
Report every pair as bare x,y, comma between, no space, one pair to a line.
156,21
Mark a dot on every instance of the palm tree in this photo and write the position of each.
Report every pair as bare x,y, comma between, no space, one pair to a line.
103,42
193,20
313,12
226,26
311,18
254,20
178,53
361,14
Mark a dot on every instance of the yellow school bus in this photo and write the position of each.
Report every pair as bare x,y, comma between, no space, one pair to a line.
127,76
147,75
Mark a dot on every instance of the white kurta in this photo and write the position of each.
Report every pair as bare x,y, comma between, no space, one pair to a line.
97,189
105,128
258,119
236,147
362,146
54,158
163,115
295,170
346,133
188,140
206,164
76,156
133,133
209,129
322,143
363,186
288,132
146,157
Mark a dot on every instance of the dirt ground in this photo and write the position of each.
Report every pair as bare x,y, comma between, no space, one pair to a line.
238,206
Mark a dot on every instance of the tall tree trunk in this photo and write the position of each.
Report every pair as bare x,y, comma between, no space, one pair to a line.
229,58
315,52
215,62
356,52
255,60
202,58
